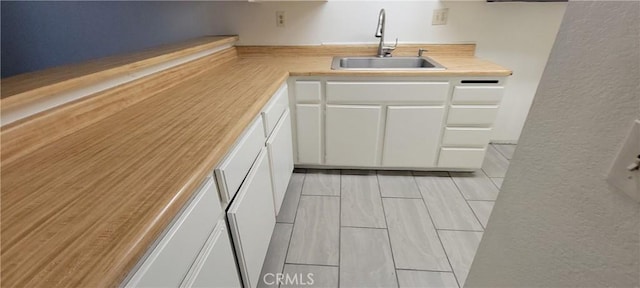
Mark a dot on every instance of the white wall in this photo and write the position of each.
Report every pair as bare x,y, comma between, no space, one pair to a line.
515,35
556,222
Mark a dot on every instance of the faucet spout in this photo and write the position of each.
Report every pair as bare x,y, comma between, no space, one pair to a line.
383,51
380,32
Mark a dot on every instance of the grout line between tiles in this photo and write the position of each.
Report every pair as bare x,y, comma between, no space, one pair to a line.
387,225
457,230
307,264
466,202
423,270
434,227
361,227
293,225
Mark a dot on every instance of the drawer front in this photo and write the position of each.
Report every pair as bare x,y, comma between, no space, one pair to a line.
477,95
466,137
252,219
272,112
280,150
308,91
216,265
396,92
472,115
170,260
461,158
237,163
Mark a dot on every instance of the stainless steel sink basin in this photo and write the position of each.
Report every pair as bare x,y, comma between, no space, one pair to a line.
385,63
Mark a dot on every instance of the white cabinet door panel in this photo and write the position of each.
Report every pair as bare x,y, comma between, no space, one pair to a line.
461,158
469,115
216,266
252,219
352,135
309,133
280,151
170,260
308,91
377,92
412,136
237,163
274,109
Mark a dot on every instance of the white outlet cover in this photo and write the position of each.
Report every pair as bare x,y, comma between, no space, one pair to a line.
440,16
620,177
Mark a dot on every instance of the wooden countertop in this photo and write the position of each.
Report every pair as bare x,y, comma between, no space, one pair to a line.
81,209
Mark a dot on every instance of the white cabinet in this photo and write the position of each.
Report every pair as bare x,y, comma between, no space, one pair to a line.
279,146
412,136
353,134
274,109
215,267
252,219
169,261
236,164
309,133
465,158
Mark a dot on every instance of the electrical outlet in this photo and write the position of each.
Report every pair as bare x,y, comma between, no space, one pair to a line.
440,16
280,20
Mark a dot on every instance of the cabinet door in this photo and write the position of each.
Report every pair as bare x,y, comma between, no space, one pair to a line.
308,133
280,151
170,260
412,136
352,135
252,219
216,266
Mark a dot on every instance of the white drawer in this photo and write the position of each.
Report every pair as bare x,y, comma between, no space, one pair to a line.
397,92
252,219
474,137
216,265
274,109
477,94
308,91
470,115
237,163
461,158
170,260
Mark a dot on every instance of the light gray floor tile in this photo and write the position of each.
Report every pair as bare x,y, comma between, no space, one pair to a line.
274,261
422,279
495,165
316,232
312,276
398,184
446,205
461,247
414,241
498,181
322,182
365,259
475,186
482,210
505,149
291,198
361,203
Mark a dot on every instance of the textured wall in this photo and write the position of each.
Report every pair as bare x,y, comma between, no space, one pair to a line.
37,35
517,35
556,222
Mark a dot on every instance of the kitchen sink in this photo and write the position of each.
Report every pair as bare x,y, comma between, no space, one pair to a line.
385,63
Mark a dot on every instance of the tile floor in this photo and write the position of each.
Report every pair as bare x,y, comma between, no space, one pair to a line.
354,228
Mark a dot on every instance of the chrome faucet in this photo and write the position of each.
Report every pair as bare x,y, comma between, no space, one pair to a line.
383,51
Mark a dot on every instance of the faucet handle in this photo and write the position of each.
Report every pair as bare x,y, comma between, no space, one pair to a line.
421,51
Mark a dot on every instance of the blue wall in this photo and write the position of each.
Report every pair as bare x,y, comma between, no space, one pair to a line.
38,35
